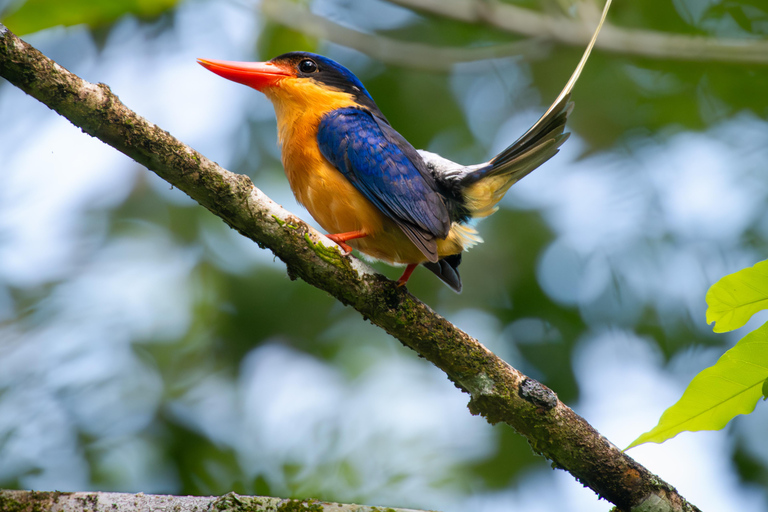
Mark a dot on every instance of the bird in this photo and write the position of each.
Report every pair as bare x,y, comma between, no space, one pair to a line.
366,185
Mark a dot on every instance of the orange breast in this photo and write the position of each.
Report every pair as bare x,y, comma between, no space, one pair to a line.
328,196
339,207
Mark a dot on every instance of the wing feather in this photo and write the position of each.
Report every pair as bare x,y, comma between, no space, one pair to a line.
388,171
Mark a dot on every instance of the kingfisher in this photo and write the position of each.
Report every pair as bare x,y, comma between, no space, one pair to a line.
369,187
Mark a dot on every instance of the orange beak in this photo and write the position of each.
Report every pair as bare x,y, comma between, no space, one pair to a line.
258,75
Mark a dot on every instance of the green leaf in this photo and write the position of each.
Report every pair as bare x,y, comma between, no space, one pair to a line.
765,389
736,297
719,393
34,15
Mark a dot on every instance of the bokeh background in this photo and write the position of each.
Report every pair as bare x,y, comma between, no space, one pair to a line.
145,346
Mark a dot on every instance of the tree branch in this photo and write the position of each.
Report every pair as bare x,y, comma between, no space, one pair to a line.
415,55
31,501
498,392
645,43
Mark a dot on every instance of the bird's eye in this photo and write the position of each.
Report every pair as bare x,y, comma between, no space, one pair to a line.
307,66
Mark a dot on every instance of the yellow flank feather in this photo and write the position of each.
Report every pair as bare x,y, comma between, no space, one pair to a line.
465,236
481,197
328,196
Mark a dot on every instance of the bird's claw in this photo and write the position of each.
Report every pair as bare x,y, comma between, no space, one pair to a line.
346,250
340,240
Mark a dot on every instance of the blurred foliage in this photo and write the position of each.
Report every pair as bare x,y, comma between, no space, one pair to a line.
237,308
276,39
34,15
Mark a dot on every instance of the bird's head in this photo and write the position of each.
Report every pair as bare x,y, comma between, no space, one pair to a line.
297,78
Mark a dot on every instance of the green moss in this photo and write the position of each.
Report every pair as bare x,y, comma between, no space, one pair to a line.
8,504
229,501
328,254
300,506
28,501
283,223
234,503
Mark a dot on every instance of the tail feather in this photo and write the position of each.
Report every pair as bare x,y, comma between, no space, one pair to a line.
551,126
482,186
447,269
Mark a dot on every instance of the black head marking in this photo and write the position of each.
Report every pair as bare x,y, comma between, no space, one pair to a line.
330,73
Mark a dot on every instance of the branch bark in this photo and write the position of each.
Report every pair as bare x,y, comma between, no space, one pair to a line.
644,43
31,501
498,392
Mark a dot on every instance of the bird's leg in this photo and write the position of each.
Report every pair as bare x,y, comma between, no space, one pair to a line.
407,274
341,238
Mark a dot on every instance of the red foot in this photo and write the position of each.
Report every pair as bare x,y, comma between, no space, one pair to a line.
407,274
341,238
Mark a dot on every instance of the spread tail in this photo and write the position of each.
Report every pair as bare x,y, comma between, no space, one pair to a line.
482,187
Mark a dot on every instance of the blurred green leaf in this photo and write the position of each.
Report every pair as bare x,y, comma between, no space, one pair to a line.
34,15
512,457
719,393
204,467
276,39
748,465
736,297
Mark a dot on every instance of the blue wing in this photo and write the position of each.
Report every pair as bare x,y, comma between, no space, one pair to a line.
382,165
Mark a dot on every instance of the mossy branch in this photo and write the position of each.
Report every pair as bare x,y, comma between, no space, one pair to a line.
644,43
498,392
31,501
538,28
